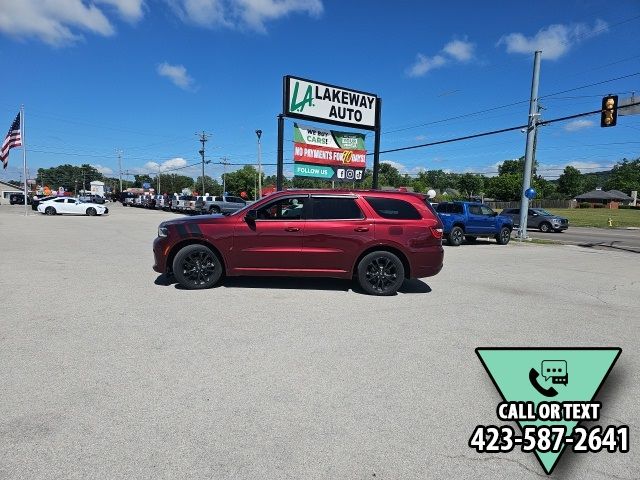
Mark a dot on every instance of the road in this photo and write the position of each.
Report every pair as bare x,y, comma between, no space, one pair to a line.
620,239
109,370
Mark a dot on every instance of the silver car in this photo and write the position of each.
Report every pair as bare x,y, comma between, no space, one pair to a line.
538,218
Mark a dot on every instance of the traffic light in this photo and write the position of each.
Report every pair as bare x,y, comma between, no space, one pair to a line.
609,115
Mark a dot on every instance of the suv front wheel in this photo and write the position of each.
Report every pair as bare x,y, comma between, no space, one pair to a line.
196,267
380,273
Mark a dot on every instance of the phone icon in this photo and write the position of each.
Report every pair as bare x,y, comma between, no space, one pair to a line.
533,378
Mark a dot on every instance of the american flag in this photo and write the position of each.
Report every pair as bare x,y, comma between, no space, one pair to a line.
13,139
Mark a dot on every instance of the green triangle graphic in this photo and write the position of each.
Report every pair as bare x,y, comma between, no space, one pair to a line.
579,372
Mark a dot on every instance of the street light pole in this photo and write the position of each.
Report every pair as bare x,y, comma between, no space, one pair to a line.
259,134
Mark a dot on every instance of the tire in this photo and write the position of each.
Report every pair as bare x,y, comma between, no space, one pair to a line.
455,237
91,212
197,267
545,227
503,236
214,210
50,211
471,238
380,273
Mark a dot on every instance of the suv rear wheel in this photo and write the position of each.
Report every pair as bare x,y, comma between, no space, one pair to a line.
196,267
380,273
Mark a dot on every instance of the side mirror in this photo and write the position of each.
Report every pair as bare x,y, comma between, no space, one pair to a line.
251,216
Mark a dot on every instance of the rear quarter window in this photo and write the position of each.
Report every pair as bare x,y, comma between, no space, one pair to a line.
393,208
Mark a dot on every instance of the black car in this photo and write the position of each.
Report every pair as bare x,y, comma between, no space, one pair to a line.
35,201
18,199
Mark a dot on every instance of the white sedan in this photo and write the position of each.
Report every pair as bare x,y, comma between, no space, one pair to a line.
71,205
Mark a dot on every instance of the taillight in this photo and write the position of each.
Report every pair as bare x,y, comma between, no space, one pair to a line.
436,232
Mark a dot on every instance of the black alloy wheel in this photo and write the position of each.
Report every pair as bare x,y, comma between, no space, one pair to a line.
50,211
455,237
545,227
197,267
214,209
91,212
380,273
504,236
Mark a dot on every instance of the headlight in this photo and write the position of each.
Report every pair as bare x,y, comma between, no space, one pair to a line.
163,231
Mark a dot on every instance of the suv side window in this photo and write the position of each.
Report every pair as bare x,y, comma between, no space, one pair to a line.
335,208
456,208
393,208
289,208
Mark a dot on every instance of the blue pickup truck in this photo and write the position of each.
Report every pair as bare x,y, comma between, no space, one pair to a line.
470,220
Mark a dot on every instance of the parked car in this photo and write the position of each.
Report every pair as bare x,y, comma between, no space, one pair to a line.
18,199
219,204
538,218
92,199
126,198
470,220
71,205
378,237
182,205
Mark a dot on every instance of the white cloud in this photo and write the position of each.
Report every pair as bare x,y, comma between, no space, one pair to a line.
103,170
177,74
456,51
62,22
554,40
252,14
397,165
420,138
578,124
460,50
167,165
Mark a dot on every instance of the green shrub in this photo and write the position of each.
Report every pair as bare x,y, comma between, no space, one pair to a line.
598,205
584,205
624,207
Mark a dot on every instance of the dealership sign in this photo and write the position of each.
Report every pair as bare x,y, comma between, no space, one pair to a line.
328,154
322,102
328,147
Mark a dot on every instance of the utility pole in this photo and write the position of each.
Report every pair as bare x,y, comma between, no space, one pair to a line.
159,192
224,163
259,135
203,139
531,136
119,152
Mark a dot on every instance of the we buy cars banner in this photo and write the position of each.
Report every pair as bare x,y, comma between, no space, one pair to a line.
328,147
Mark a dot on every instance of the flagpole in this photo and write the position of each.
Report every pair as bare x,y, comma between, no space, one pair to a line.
24,158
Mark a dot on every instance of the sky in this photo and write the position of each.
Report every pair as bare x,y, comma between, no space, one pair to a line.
145,76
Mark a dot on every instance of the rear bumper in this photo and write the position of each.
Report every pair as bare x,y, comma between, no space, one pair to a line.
428,262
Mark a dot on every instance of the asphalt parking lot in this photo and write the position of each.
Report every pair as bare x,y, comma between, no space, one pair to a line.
108,370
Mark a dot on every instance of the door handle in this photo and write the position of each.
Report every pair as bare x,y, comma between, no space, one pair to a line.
361,229
292,229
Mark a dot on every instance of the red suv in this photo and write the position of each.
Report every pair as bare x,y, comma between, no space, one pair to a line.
378,237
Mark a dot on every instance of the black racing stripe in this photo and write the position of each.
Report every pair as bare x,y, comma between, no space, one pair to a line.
182,231
195,229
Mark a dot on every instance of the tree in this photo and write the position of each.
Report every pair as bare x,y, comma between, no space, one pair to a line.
174,183
506,187
243,180
140,180
515,166
625,176
211,185
571,183
470,184
68,176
